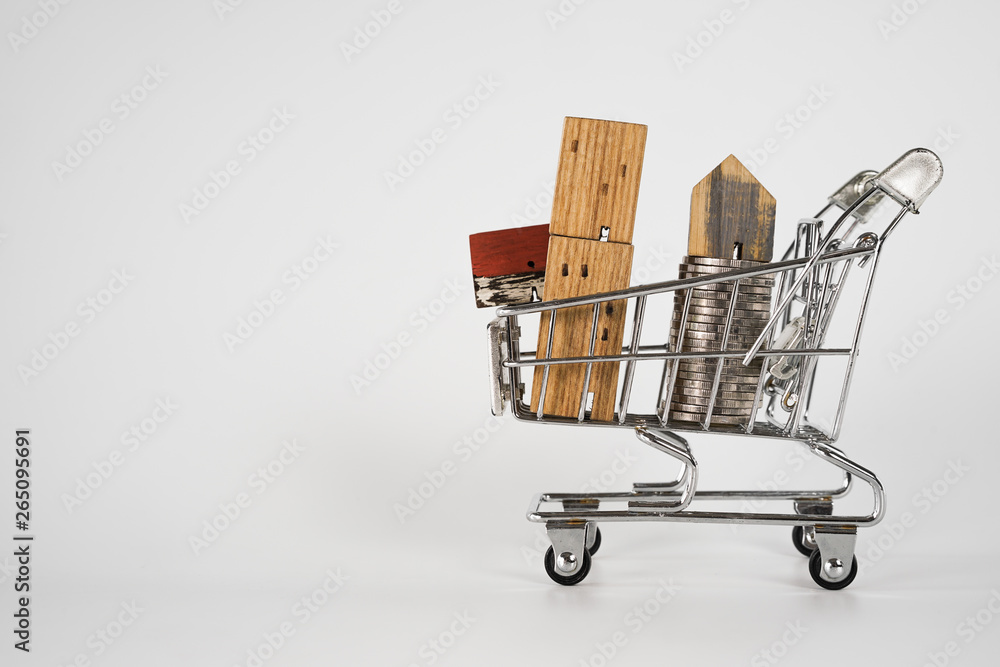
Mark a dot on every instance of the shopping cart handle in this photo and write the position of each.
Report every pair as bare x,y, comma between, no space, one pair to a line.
909,181
912,178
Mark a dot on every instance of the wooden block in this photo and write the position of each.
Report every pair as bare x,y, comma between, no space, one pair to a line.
597,184
507,264
576,267
728,207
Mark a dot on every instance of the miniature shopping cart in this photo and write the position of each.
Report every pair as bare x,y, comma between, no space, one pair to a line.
820,271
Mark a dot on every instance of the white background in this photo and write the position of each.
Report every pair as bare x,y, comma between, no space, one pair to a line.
468,549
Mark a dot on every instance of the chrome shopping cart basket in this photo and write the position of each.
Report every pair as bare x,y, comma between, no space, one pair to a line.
813,278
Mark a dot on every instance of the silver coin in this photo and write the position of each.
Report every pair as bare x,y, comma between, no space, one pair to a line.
730,365
736,335
708,345
700,339
723,313
709,370
710,337
686,272
723,403
724,290
735,365
756,317
737,417
716,260
704,387
682,398
720,278
699,345
741,313
720,268
702,327
730,372
704,341
722,299
715,424
700,409
706,271
731,382
741,304
701,391
746,310
708,362
735,330
756,323
708,318
702,347
704,382
737,327
706,375
724,294
727,285
708,365
716,419
704,392
720,261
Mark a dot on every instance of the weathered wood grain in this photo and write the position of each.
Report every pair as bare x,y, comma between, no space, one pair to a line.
576,267
597,183
730,208
496,291
507,264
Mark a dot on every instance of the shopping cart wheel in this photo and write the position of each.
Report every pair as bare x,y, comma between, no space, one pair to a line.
803,540
597,541
566,580
815,565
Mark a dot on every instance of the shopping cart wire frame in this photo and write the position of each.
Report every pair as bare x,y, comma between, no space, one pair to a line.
821,273
810,279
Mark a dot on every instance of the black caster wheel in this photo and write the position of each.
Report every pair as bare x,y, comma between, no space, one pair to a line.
566,580
597,541
799,540
814,570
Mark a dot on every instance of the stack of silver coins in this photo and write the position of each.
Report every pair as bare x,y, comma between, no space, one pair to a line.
703,332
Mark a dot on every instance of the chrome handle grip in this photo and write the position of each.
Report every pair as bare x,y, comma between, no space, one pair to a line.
911,178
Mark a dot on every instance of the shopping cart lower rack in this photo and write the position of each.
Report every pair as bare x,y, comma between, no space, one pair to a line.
811,278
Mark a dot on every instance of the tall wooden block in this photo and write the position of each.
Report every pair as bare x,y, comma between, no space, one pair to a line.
730,208
577,267
597,183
